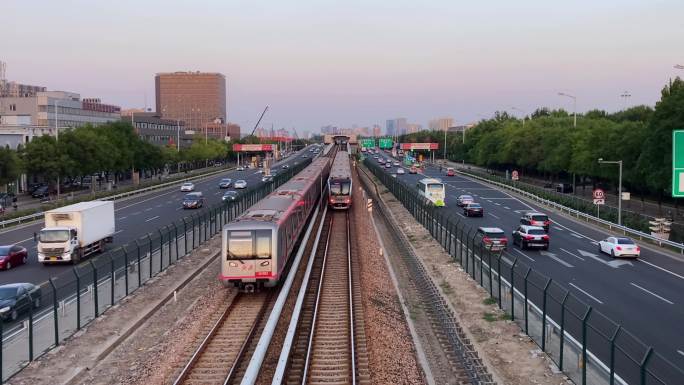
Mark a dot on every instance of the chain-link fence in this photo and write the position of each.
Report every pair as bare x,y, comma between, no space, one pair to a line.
69,301
587,346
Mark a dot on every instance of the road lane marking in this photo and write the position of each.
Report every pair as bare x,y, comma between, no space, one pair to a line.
652,293
680,352
135,213
557,228
24,240
498,198
122,218
498,204
553,256
118,232
576,235
507,208
494,216
523,254
587,294
151,219
148,209
661,268
576,256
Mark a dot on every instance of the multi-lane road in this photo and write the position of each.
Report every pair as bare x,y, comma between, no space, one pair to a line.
134,218
645,296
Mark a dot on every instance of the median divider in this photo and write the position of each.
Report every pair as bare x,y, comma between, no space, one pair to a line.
586,345
71,300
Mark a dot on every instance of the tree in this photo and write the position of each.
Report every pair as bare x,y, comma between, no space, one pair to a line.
10,165
42,157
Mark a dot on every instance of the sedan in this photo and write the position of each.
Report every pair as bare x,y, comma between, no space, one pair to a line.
463,200
400,171
285,167
619,247
388,165
188,186
473,210
16,298
225,183
12,255
229,196
267,178
531,236
240,184
240,168
450,172
395,164
41,192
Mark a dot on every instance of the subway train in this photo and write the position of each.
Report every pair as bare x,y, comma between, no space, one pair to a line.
340,182
257,245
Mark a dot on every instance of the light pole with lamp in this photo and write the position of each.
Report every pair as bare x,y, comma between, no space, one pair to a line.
619,163
574,107
57,140
625,95
523,112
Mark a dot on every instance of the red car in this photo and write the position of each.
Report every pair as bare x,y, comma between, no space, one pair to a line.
12,255
450,172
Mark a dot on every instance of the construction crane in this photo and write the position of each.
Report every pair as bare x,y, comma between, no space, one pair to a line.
258,121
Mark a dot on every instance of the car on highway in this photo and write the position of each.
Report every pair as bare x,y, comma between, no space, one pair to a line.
240,168
473,210
400,171
450,172
12,255
619,247
17,298
229,196
534,218
267,178
492,238
41,192
225,183
395,164
194,200
531,236
413,170
463,200
388,165
285,167
187,187
240,183
376,156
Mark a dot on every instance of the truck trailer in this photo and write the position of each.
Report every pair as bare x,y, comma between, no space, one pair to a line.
74,232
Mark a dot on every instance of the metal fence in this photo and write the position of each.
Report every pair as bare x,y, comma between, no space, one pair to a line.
71,300
586,345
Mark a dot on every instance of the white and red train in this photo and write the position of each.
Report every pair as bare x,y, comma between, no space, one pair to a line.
257,245
340,182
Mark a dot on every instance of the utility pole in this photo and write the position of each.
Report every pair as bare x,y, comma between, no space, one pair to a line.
619,163
574,107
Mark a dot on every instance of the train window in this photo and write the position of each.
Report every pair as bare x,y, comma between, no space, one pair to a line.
240,244
263,243
340,187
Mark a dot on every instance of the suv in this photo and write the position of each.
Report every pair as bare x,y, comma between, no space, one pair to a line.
493,238
193,201
531,236
225,183
536,219
564,188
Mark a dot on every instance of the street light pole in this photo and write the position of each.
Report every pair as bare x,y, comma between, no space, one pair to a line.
624,96
57,140
445,143
574,107
619,163
524,115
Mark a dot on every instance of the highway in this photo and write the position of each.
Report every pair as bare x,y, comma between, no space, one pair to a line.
645,296
135,217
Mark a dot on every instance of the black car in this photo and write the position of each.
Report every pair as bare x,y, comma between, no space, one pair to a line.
194,200
564,188
229,196
41,192
16,298
225,183
473,210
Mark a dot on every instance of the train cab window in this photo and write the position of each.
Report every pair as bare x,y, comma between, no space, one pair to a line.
340,187
240,244
263,243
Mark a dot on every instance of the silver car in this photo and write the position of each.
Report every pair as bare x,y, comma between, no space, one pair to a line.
241,183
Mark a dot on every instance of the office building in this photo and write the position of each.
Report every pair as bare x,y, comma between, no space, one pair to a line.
154,129
441,124
413,128
197,98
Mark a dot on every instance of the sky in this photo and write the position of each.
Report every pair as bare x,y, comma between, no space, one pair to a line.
324,62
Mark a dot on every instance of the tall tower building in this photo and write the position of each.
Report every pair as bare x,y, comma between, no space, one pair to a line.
197,98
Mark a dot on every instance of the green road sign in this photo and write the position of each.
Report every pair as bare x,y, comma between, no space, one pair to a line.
678,163
368,143
385,142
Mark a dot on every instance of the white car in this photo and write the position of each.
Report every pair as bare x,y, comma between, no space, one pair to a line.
400,171
463,200
395,164
240,184
188,186
240,168
619,247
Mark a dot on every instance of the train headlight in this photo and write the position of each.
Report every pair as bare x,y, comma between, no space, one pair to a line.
232,264
265,263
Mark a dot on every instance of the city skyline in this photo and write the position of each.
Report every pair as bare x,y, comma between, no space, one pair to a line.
317,63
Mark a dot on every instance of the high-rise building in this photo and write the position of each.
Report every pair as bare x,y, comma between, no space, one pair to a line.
377,130
197,98
396,126
441,124
413,127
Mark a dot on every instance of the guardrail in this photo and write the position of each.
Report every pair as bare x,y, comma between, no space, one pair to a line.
579,214
39,215
585,344
71,300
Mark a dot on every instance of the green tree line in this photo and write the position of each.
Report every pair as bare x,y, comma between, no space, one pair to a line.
547,145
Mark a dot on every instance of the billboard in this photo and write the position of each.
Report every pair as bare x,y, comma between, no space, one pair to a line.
678,163
419,146
368,143
385,143
252,147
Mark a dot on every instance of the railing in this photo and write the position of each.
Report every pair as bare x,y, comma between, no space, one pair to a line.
577,213
39,215
71,300
586,345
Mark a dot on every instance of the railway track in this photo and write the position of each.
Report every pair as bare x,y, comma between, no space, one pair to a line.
325,350
222,351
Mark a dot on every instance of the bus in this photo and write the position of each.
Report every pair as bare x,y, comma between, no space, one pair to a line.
433,190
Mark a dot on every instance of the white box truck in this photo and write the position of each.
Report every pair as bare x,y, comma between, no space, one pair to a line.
75,231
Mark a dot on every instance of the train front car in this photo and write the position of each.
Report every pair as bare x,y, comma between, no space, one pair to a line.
257,245
340,182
